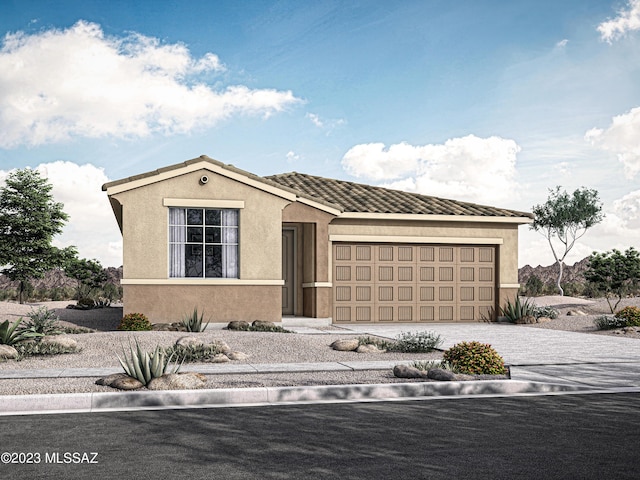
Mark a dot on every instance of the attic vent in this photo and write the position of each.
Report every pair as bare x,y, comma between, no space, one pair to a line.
204,179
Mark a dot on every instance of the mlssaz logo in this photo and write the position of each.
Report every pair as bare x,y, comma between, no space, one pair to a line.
71,457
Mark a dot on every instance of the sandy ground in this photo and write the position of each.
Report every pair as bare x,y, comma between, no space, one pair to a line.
100,349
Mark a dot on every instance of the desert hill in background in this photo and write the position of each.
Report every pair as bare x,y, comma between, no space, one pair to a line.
549,275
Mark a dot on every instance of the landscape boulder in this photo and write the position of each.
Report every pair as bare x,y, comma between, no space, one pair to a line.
7,351
526,319
370,348
189,341
263,324
575,313
238,325
178,381
346,345
61,340
406,371
120,381
237,356
441,375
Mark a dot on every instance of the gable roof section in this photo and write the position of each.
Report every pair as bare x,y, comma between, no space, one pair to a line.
209,164
359,200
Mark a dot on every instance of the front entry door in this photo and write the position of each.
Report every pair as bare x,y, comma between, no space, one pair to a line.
288,289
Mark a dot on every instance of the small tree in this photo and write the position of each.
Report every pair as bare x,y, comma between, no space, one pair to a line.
566,218
614,273
29,219
86,272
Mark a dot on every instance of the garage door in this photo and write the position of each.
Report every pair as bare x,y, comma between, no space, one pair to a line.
412,283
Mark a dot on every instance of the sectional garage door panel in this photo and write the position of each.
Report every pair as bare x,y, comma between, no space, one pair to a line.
412,283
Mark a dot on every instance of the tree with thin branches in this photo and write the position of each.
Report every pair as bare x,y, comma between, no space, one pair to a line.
566,218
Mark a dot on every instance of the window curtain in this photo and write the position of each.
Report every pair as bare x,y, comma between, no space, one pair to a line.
229,236
177,239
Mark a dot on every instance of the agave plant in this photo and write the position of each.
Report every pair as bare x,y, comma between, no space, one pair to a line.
146,366
10,334
516,310
193,322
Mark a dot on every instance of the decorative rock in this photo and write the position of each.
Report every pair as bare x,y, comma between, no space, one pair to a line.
544,319
222,346
163,327
63,341
441,375
525,320
405,371
189,341
7,351
237,356
346,345
238,325
575,313
178,381
369,348
121,381
219,358
263,323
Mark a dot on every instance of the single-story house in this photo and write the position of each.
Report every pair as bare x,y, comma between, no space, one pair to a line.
243,247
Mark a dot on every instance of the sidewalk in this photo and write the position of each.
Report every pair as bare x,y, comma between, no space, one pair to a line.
542,362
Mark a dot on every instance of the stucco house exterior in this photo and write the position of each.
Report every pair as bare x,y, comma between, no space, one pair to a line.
243,247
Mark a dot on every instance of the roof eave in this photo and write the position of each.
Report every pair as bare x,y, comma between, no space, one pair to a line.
437,218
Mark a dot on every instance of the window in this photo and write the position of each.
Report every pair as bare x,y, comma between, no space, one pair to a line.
203,243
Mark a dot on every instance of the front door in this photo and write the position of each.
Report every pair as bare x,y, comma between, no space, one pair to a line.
288,289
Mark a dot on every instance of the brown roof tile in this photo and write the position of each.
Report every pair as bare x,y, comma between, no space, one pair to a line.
360,198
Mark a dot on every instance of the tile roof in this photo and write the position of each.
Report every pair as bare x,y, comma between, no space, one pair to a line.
360,198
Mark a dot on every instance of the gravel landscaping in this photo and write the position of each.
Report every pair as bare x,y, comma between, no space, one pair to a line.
100,349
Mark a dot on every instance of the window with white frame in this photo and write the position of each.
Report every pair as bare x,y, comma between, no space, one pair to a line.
203,243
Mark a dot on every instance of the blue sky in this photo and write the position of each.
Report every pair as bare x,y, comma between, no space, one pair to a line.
486,101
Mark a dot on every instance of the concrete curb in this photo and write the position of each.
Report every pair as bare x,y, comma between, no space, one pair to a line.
146,400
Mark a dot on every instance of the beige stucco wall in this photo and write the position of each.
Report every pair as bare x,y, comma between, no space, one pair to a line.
145,225
507,261
220,303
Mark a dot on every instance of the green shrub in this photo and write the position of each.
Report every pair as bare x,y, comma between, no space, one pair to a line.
134,322
193,353
11,334
44,321
426,365
33,349
630,315
547,311
516,310
608,322
415,342
146,366
193,322
475,358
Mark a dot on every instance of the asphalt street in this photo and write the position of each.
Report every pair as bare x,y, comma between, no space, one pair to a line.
539,437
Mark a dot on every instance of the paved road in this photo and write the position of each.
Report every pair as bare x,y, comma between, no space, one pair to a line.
563,437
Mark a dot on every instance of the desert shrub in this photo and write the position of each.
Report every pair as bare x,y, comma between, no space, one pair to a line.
30,349
145,366
608,322
533,287
415,342
193,353
44,321
475,358
630,316
547,311
7,294
193,322
426,365
134,322
75,330
517,309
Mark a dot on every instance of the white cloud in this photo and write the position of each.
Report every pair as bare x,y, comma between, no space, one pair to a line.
562,43
627,20
91,227
622,138
292,156
325,124
469,168
57,84
315,119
